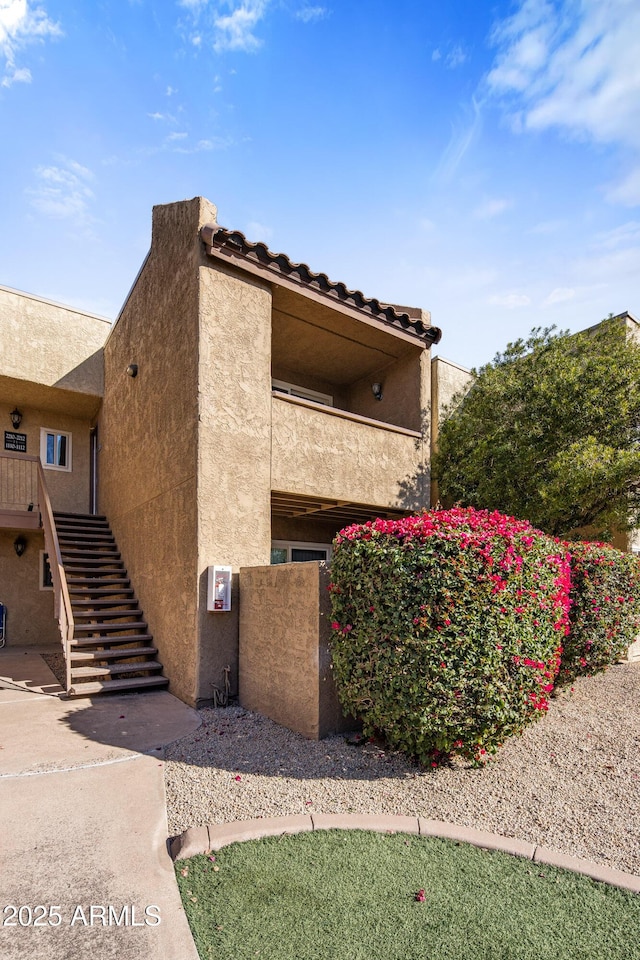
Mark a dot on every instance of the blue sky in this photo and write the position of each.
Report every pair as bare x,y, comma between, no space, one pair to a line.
480,160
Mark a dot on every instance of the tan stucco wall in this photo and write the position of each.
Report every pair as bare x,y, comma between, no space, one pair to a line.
148,434
50,344
285,660
447,380
234,396
317,453
30,620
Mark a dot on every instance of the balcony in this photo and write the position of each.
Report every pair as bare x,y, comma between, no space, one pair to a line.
19,496
324,451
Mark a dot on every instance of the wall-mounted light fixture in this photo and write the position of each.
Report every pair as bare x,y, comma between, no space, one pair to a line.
132,370
20,545
16,418
376,390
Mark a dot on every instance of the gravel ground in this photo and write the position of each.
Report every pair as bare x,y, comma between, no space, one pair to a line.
571,782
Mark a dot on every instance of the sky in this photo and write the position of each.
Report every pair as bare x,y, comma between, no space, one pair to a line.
480,160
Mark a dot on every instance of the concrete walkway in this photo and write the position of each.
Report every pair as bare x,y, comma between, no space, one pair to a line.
83,825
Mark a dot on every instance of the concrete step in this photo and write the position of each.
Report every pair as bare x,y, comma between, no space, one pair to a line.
102,605
115,668
101,615
87,656
116,686
67,517
100,583
88,556
109,627
93,643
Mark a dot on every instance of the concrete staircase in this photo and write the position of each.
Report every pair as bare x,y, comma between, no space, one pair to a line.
111,649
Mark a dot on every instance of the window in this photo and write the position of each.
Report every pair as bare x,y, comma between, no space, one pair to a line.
46,578
294,391
297,551
55,449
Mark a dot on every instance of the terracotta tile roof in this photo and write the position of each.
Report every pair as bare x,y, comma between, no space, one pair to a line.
234,244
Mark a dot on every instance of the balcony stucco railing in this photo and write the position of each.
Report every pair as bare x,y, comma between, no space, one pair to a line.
319,450
19,501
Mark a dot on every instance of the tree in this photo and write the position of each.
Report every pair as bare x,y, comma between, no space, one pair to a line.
550,432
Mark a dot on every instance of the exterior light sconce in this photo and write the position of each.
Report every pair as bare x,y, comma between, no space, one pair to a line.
376,390
132,370
16,418
20,545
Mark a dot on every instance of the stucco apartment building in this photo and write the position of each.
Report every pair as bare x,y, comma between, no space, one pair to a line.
240,411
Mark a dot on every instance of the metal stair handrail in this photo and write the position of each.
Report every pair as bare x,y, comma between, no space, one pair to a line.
61,599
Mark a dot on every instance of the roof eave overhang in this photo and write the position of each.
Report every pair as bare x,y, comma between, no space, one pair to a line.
372,313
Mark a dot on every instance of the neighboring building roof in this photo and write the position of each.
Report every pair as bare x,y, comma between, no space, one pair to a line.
234,244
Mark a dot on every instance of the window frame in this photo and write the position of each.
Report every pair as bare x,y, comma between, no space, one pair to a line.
46,432
303,393
290,545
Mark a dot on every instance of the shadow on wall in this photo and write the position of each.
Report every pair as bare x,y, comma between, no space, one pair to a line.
414,492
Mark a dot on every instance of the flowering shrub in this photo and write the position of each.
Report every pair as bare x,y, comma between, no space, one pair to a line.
605,609
447,629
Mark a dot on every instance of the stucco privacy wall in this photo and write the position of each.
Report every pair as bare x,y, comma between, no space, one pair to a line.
234,451
49,344
149,434
30,620
285,659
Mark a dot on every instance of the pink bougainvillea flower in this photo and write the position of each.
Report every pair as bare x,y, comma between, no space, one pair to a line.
335,625
420,896
238,777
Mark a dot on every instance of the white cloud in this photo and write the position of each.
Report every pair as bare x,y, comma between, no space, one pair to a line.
546,227
456,58
623,236
627,191
491,208
63,190
177,136
436,55
20,25
510,300
462,137
235,31
205,145
573,66
231,24
559,295
310,14
170,91
258,232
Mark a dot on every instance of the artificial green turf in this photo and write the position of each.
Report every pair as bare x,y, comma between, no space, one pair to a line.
350,895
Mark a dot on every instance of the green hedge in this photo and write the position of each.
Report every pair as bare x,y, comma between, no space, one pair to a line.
605,609
447,629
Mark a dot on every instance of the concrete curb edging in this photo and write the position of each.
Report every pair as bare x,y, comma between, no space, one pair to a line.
197,840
